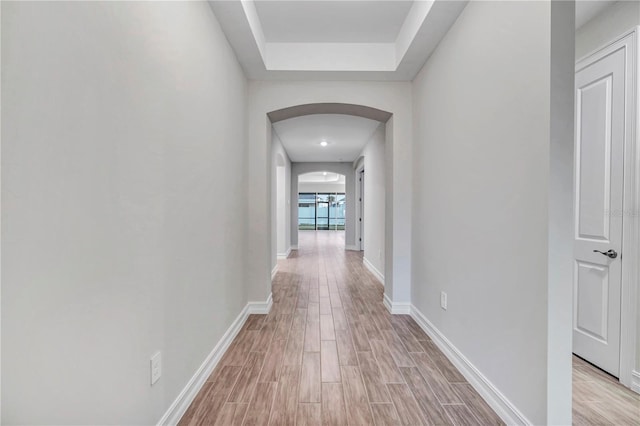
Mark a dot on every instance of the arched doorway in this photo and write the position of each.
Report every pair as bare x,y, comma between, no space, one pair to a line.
271,102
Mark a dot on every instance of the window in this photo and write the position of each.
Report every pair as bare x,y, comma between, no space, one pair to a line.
321,211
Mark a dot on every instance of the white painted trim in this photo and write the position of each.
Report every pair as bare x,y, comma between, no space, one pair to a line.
274,271
352,248
294,247
507,411
177,409
367,264
635,381
359,207
630,249
398,308
285,255
260,307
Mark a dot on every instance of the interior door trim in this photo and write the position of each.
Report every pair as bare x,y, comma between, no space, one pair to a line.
630,252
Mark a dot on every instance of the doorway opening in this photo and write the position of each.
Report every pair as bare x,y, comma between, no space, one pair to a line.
325,148
321,202
605,326
360,195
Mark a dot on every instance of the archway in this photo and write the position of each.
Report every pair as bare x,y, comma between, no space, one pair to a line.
318,209
275,101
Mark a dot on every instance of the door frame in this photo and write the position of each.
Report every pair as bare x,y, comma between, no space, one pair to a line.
360,207
628,41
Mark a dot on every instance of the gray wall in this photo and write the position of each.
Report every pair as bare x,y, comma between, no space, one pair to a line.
123,126
481,197
280,201
610,23
374,199
345,169
321,187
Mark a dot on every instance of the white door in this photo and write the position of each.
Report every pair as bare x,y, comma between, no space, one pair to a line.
600,135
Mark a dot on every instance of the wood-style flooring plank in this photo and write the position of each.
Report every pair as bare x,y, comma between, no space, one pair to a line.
246,383
346,351
355,396
310,380
461,415
427,401
273,362
388,369
443,389
385,415
376,389
285,406
333,407
260,407
309,414
329,362
327,331
312,337
408,409
231,414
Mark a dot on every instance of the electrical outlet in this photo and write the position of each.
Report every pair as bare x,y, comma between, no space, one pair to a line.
443,300
156,367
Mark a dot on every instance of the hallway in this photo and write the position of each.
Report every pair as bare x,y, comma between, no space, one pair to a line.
330,353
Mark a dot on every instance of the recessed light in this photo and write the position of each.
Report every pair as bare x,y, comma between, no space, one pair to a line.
323,143
324,173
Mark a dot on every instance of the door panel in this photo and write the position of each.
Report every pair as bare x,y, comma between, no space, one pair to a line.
592,300
600,112
594,197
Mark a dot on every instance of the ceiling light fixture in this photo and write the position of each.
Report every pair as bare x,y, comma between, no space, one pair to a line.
323,143
324,173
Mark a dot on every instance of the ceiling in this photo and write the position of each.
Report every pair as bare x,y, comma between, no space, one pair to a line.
321,177
314,22
345,135
586,10
335,39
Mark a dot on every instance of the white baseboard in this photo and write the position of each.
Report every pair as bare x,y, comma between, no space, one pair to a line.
284,255
500,404
260,307
177,409
367,264
402,308
635,381
274,271
188,394
351,248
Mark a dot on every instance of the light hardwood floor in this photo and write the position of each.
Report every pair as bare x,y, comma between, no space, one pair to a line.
330,353
599,399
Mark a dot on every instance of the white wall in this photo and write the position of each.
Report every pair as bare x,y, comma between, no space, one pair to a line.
394,97
374,199
481,174
123,211
610,23
280,199
320,187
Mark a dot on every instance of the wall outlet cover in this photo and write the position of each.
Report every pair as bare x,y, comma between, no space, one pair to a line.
156,367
